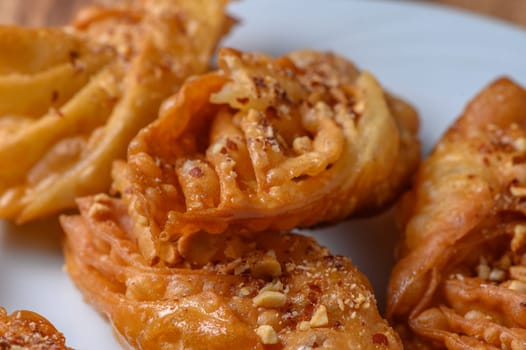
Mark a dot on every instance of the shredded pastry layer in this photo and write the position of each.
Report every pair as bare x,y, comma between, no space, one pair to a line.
461,279
231,291
71,99
266,144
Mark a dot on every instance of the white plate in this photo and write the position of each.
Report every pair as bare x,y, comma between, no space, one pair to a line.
434,57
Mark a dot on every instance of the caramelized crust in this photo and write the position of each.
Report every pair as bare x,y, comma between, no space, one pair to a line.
266,144
27,330
231,291
71,99
460,282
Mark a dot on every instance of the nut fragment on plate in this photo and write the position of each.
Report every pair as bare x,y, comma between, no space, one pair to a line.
26,330
460,282
212,295
267,144
72,98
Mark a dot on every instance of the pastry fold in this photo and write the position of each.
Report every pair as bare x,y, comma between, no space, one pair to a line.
460,282
230,291
267,144
72,98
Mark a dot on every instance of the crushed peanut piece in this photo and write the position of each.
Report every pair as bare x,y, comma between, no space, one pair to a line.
244,292
98,210
270,299
267,334
504,262
519,237
268,266
16,347
520,144
359,107
459,276
518,273
518,191
269,317
102,198
242,267
475,314
483,269
497,275
303,326
518,286
319,318
341,306
359,300
276,286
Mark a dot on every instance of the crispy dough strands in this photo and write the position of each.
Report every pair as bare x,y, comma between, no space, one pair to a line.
233,291
267,144
69,112
460,282
28,330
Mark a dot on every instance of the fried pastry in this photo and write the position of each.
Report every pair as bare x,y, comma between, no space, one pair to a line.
27,330
230,291
460,282
266,144
71,99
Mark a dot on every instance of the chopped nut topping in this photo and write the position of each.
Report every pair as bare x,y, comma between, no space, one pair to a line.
518,273
320,318
359,300
102,198
518,286
519,237
270,299
267,334
268,266
341,306
497,275
520,144
303,326
503,263
239,269
475,314
483,269
276,286
359,107
99,210
16,347
518,191
244,292
269,317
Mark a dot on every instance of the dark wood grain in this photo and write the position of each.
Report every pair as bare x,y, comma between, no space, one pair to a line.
41,12
57,12
510,10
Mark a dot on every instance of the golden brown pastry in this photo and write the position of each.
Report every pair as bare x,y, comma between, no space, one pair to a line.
460,282
71,99
27,330
266,144
230,291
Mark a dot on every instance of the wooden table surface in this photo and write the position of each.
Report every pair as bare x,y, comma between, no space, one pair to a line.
54,12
